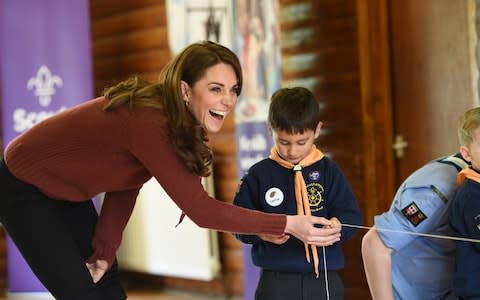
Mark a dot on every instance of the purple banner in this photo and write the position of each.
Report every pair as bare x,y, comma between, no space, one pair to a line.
45,67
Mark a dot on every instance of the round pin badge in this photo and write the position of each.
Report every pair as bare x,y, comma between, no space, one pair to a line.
274,196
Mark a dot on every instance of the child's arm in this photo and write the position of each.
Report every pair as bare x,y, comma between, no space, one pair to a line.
378,266
335,223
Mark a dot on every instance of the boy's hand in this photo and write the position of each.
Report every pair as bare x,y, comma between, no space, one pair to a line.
335,223
275,239
303,228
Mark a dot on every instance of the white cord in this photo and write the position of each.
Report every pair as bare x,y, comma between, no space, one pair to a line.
325,271
416,233
394,231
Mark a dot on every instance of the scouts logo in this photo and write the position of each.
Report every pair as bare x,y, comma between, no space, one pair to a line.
44,83
315,196
414,214
314,175
274,196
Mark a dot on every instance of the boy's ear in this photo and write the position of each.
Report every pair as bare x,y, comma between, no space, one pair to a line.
465,153
317,130
270,131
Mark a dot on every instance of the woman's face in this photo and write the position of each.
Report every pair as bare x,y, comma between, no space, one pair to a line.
211,98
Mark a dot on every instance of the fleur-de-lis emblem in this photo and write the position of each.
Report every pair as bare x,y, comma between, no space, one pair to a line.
44,84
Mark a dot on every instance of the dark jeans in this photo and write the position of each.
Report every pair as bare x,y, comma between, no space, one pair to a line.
54,237
298,286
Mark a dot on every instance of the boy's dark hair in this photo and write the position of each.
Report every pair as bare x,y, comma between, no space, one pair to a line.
293,110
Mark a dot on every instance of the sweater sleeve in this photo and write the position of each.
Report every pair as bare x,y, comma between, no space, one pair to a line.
149,144
114,215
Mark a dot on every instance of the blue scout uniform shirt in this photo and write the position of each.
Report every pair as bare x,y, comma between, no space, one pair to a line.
465,220
269,187
422,267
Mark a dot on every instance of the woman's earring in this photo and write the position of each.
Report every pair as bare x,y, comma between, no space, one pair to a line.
187,102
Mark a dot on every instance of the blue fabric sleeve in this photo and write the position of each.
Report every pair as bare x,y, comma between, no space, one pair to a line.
342,202
426,200
245,198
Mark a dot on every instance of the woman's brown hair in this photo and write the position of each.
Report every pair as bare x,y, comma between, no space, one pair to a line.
187,137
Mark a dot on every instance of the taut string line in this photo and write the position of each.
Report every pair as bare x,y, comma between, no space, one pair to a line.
447,237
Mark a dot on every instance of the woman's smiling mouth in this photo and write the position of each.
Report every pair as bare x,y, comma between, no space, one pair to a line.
218,114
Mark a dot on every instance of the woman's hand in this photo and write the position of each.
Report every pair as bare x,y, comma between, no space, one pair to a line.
302,227
275,239
97,269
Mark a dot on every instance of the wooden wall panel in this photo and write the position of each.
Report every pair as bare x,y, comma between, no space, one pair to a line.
106,8
376,93
138,41
329,69
128,39
128,21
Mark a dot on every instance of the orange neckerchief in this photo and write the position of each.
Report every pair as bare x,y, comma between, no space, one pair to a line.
301,194
468,173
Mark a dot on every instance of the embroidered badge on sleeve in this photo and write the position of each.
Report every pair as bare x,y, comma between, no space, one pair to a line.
414,214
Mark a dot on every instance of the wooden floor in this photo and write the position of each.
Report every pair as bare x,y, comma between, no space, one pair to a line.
136,295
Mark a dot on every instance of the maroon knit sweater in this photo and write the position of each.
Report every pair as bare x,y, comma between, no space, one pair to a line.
83,151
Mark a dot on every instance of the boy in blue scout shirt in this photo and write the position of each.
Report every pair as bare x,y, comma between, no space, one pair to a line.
406,266
297,179
465,213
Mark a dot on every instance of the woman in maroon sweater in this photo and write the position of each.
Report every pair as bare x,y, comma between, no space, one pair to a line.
114,144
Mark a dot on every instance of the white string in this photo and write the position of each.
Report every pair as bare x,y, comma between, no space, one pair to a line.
447,237
325,271
416,233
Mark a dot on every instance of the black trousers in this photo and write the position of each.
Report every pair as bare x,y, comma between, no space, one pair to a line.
274,285
55,238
